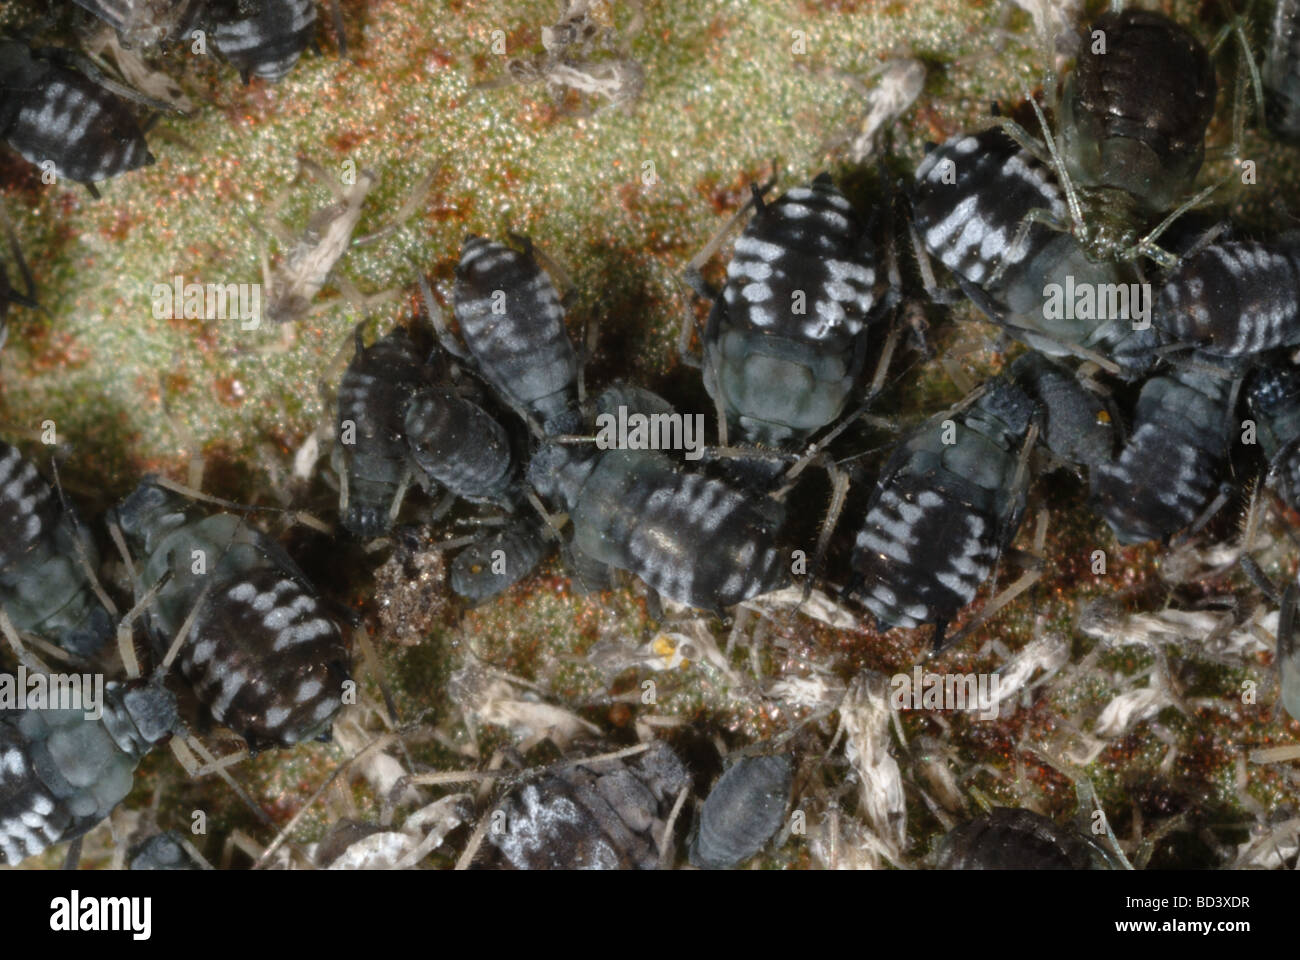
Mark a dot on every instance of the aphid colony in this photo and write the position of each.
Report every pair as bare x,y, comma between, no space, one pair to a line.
1137,389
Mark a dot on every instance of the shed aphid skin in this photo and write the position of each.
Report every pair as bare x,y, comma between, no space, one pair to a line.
1077,424
1273,399
61,773
695,540
146,23
513,324
602,815
1280,71
1234,299
1169,471
263,656
372,401
44,581
978,206
787,335
949,501
1008,838
265,38
743,811
494,564
52,114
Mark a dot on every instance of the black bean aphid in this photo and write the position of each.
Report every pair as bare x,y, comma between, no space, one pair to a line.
1007,838
372,401
262,655
1077,425
974,205
162,851
494,564
1234,299
694,539
49,112
1273,398
743,811
44,585
1169,471
265,38
601,815
948,502
786,336
460,445
62,773
1280,72
511,319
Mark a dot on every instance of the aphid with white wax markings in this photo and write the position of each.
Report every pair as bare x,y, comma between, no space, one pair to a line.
62,772
262,655
975,205
372,401
694,539
787,335
1169,472
52,114
1008,838
511,319
264,38
1234,299
45,554
949,501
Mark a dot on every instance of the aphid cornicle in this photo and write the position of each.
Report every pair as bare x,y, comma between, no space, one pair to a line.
1009,838
949,501
1273,398
970,202
742,812
600,815
265,38
1134,113
262,655
1234,299
62,773
787,334
372,401
49,112
1168,473
694,539
511,319
44,585
1280,72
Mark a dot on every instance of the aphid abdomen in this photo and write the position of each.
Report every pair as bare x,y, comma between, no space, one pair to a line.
269,43
1008,838
459,444
942,512
43,585
693,539
62,773
511,319
786,334
57,115
266,660
1169,470
372,399
1280,71
743,811
1234,299
493,565
1134,115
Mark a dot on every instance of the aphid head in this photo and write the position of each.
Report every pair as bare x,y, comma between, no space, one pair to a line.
152,709
149,512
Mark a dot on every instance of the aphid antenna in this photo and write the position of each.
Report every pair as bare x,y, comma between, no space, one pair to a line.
82,558
405,211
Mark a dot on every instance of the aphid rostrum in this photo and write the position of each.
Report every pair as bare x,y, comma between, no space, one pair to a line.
1168,473
62,772
948,502
45,554
786,337
511,320
742,812
262,654
51,113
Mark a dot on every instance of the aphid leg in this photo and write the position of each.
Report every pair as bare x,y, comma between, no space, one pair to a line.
439,321
1147,247
839,492
405,212
691,273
